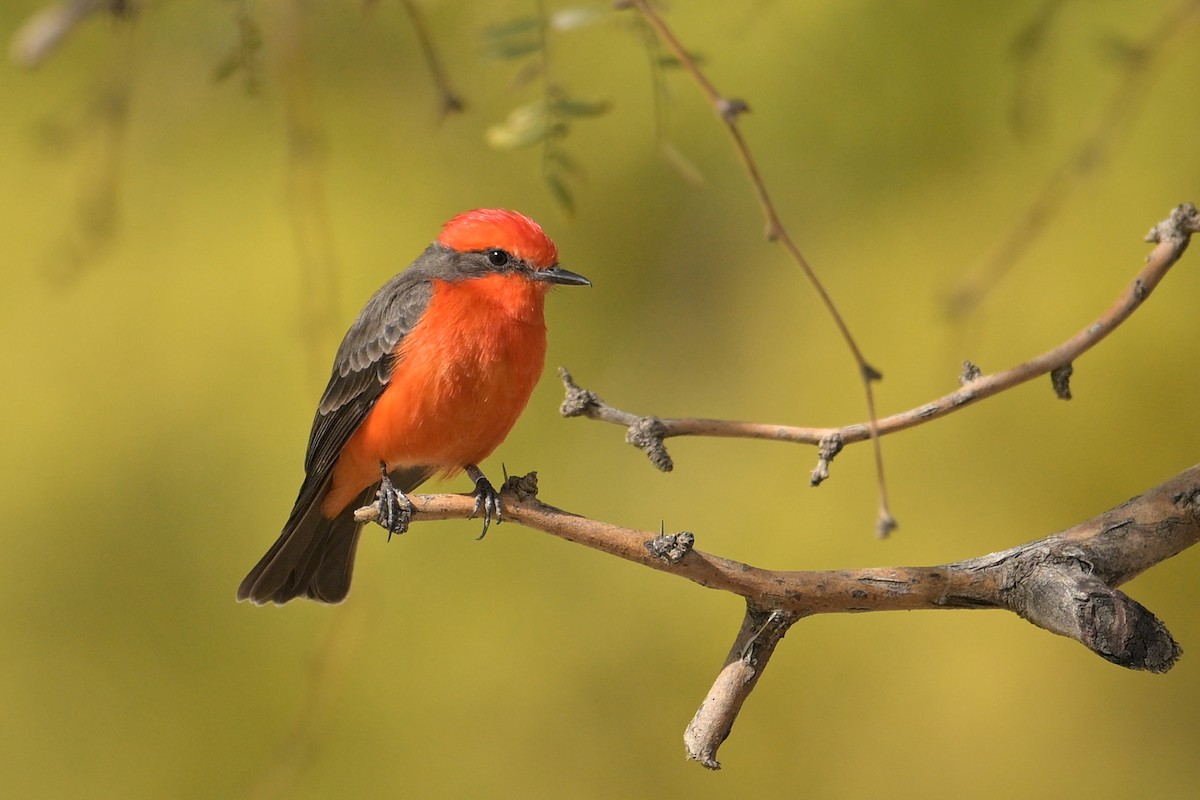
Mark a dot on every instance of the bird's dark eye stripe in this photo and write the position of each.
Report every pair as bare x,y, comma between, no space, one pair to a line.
498,257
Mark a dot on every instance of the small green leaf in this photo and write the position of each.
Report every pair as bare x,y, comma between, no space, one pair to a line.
524,126
506,137
243,55
671,62
561,194
513,27
513,38
226,68
511,49
569,19
559,158
573,107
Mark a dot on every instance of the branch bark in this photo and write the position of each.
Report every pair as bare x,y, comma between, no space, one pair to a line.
1065,583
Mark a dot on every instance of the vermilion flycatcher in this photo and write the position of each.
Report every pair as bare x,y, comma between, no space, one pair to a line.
430,378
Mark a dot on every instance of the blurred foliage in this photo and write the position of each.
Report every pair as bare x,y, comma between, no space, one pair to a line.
160,391
245,52
545,122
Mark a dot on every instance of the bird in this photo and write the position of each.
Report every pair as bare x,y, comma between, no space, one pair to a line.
429,379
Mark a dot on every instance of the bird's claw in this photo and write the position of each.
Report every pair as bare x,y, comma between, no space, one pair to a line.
395,510
487,500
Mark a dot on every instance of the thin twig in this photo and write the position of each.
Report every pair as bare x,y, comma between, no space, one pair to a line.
305,190
728,110
450,101
97,136
1171,237
1029,51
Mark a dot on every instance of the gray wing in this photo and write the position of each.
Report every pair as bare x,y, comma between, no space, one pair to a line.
314,556
362,369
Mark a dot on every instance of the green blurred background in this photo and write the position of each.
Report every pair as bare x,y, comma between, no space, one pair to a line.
177,277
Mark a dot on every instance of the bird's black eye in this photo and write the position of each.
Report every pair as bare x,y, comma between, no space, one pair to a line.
498,257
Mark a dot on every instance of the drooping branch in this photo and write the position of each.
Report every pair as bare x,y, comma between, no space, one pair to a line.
728,110
305,176
1171,237
451,102
1065,583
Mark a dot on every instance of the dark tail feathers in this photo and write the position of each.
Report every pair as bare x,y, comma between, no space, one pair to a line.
313,558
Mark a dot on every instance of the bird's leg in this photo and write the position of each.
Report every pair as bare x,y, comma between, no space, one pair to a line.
395,510
486,498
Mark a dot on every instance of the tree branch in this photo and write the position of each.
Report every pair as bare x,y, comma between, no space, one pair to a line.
1065,583
756,640
450,101
728,109
1171,238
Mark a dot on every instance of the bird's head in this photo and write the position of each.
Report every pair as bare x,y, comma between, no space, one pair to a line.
496,241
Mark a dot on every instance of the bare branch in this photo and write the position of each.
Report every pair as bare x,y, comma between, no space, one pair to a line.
1028,50
450,101
729,109
1065,583
1171,237
1117,545
756,640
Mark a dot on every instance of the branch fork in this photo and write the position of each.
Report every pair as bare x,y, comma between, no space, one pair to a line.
1064,583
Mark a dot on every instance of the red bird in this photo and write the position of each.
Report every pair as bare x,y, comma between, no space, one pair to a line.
429,379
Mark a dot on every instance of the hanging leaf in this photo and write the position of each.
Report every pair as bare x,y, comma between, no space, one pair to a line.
560,193
558,157
574,107
243,56
511,49
524,126
569,19
513,39
516,26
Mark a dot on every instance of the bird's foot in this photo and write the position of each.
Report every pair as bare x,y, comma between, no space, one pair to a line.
487,499
395,510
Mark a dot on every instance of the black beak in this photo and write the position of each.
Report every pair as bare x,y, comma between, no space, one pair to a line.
560,275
